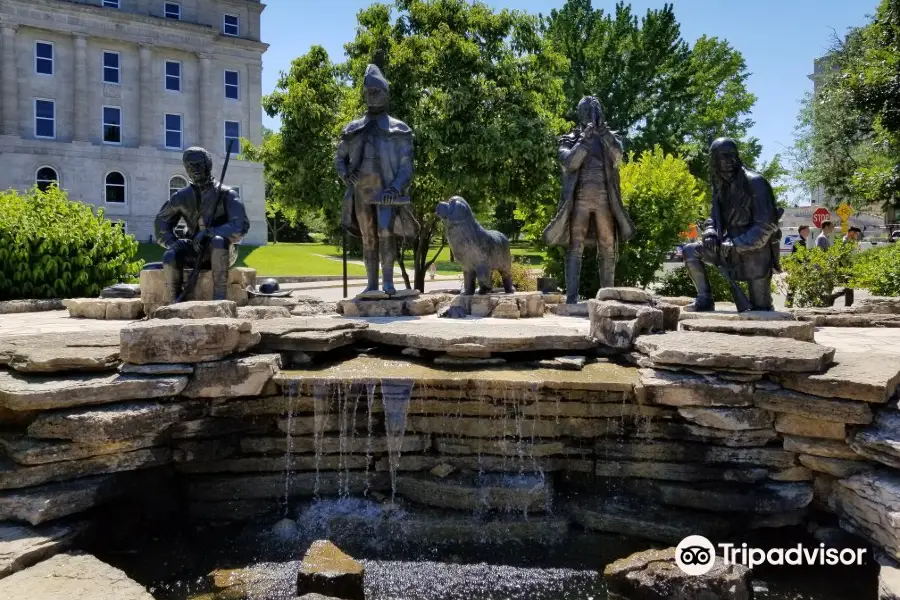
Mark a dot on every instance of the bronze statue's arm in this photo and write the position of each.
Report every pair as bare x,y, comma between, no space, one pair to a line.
613,145
765,222
571,154
404,174
238,224
341,159
167,219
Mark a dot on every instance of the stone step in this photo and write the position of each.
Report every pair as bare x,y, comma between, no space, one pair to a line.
61,352
197,309
797,330
864,376
185,340
60,576
474,492
22,547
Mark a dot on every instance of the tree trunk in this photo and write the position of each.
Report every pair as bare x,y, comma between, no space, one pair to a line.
402,264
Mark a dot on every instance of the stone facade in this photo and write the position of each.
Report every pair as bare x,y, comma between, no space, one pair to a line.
79,34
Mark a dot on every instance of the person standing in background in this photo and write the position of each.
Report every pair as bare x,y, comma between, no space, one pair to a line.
823,241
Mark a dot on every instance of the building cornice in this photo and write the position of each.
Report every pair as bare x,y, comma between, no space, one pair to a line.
133,27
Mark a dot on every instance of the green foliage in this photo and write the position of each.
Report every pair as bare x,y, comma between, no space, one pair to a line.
523,278
878,270
53,248
812,274
677,282
663,199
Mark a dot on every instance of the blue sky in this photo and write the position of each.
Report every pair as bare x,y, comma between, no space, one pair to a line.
778,38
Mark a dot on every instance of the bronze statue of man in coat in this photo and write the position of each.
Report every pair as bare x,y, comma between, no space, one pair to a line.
375,161
591,195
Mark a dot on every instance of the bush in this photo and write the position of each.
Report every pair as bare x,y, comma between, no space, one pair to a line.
878,270
53,248
812,274
523,279
677,282
663,199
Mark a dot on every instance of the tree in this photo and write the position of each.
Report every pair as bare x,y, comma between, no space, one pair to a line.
663,199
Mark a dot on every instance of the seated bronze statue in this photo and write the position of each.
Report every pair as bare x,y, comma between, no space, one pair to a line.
741,237
216,221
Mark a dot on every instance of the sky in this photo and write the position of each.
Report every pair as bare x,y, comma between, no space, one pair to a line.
778,38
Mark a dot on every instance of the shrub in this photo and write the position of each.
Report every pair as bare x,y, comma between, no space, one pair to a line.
878,270
663,199
53,248
812,274
677,282
523,278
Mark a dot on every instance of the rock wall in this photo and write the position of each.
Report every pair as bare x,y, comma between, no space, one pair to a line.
694,432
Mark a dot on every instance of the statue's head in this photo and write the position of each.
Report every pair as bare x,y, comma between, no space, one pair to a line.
376,90
454,209
198,165
724,158
590,111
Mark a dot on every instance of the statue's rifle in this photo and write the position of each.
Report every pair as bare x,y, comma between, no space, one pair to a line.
204,243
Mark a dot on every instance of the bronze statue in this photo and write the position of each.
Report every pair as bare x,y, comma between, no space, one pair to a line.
479,251
375,160
591,194
741,237
216,221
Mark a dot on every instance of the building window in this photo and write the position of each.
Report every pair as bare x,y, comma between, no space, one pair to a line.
232,85
112,125
172,10
233,132
231,25
173,76
110,67
45,177
176,183
43,58
111,3
173,132
44,118
115,188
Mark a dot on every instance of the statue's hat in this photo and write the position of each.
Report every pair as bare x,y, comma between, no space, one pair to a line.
375,79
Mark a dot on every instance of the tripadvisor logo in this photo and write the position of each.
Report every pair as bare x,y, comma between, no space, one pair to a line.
696,555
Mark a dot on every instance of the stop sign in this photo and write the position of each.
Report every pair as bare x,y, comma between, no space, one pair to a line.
820,215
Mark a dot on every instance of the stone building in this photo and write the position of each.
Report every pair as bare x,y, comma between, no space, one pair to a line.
102,96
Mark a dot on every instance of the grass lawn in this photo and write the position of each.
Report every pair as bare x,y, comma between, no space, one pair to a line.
325,259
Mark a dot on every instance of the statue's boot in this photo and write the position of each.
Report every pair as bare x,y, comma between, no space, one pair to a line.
174,279
219,262
607,267
388,252
704,301
573,275
370,259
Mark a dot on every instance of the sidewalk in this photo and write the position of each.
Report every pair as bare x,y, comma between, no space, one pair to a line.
361,282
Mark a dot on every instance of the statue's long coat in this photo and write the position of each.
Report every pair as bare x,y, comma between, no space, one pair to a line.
395,150
571,156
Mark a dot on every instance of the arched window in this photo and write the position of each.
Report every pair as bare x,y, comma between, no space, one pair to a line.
115,188
176,183
45,177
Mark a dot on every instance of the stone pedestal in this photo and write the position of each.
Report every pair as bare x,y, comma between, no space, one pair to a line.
126,309
155,292
521,305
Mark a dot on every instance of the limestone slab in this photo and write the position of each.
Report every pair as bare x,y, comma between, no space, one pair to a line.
621,332
334,444
728,312
14,476
687,452
111,423
439,335
820,447
22,546
667,430
245,376
32,393
61,352
504,447
880,441
523,428
730,419
294,462
672,471
870,502
865,376
185,340
797,330
886,305
256,486
29,451
42,503
768,498
258,313
836,467
813,407
307,334
156,370
804,426
327,570
723,351
852,319
624,294
197,309
110,309
522,493
62,576
669,388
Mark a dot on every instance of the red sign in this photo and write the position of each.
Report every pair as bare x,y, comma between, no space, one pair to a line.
820,215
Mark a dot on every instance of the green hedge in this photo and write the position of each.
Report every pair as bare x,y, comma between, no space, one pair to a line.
878,270
677,282
51,247
812,274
